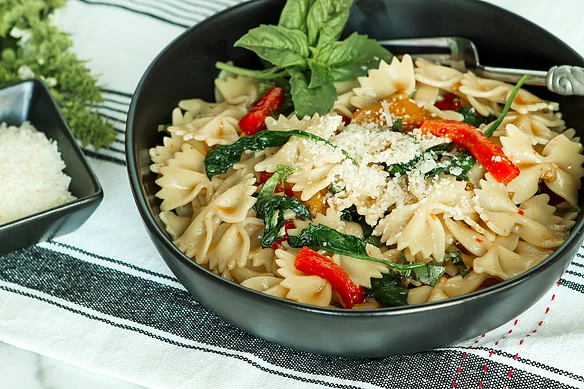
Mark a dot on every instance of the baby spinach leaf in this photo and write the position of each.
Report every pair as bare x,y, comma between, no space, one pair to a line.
465,161
472,117
456,257
429,274
222,157
325,238
267,206
271,210
389,290
351,215
403,167
282,47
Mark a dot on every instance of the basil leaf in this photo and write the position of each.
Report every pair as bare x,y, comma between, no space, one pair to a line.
294,14
308,101
352,57
318,74
329,14
389,290
325,238
282,47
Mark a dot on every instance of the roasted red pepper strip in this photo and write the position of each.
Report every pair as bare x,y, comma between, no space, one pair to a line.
450,102
254,119
312,263
480,146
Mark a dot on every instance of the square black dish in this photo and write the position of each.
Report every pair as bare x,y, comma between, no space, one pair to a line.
30,101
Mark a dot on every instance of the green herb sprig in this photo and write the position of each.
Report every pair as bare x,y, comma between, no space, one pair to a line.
31,46
304,49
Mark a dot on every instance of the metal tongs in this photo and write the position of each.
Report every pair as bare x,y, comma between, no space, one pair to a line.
462,54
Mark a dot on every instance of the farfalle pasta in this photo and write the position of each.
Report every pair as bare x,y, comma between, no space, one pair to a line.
379,196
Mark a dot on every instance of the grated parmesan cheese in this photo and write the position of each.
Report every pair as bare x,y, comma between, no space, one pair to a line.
31,177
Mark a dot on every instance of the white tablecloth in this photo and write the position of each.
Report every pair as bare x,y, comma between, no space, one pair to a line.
102,298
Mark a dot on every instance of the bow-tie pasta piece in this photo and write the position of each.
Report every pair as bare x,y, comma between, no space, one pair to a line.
231,206
301,287
385,81
505,263
457,286
502,216
238,90
476,89
437,76
540,127
231,245
181,179
448,198
559,165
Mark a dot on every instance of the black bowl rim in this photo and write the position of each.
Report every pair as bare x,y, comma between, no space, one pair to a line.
72,205
572,241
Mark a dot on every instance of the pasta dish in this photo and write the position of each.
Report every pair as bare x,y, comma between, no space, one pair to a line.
420,183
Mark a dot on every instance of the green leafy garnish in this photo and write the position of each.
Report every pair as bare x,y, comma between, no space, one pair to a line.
493,127
398,125
389,290
221,158
271,209
465,161
404,167
351,215
456,257
325,238
304,49
429,274
280,175
31,46
472,117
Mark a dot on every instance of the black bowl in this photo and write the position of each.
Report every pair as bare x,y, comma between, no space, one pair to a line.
31,101
185,69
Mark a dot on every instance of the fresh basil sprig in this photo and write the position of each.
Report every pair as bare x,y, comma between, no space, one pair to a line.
325,238
305,49
221,158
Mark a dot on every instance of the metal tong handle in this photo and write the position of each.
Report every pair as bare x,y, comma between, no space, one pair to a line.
565,80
